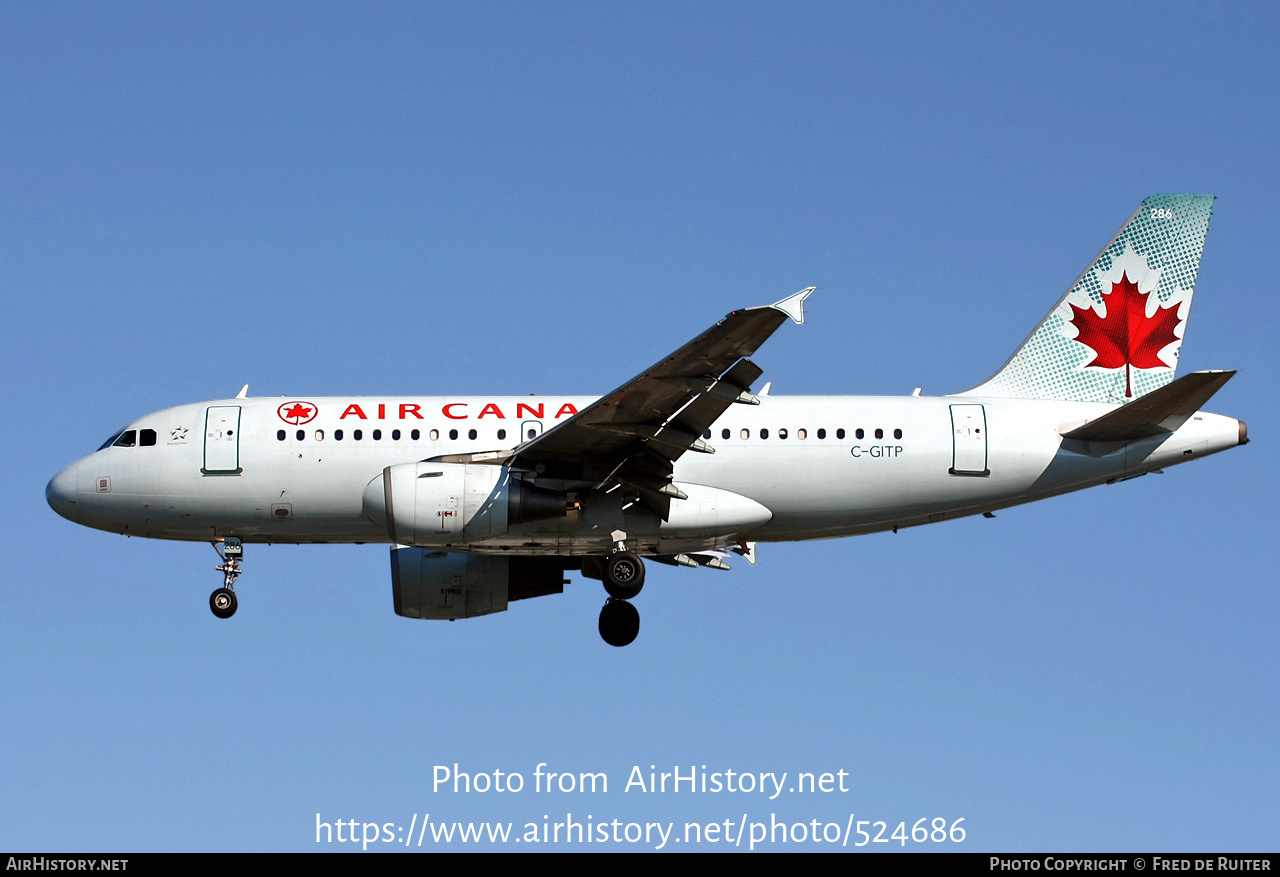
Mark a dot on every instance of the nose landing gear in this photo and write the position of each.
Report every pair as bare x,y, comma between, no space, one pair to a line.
223,601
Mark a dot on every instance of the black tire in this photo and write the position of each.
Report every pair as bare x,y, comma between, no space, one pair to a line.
623,575
619,623
223,602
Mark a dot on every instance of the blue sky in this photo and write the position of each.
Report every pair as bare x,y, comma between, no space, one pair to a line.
511,198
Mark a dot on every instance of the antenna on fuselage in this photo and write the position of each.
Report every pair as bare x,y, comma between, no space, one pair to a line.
244,392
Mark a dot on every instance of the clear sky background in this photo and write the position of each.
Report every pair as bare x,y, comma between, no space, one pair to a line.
408,198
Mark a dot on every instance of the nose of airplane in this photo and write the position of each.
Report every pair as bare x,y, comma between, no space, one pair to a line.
61,493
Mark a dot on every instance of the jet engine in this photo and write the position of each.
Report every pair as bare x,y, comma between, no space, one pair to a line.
435,584
442,504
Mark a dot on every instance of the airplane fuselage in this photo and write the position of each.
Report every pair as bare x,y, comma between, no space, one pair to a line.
790,468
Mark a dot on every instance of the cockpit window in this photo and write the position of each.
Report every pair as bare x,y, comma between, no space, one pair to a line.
111,441
127,439
146,437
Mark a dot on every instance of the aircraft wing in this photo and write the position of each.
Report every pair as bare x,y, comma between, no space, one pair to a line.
633,435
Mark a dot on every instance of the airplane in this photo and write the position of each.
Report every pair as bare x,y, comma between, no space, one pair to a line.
488,500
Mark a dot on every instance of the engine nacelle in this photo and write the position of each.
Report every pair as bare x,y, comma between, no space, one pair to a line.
434,584
455,503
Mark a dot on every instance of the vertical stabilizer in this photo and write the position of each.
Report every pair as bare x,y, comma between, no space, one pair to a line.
1117,332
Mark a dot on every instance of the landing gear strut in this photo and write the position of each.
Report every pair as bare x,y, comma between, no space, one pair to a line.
623,574
223,601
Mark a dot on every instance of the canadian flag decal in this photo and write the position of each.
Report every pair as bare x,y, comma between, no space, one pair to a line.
1126,337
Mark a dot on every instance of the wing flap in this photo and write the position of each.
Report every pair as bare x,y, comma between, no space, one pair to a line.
732,387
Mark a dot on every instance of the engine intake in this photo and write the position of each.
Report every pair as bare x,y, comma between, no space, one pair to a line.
437,504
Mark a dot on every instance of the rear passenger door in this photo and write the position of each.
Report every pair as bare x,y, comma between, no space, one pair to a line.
969,440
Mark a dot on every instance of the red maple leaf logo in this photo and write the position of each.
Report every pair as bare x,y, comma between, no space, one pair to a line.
297,412
1126,336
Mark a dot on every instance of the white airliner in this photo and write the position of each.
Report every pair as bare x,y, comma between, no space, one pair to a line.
486,500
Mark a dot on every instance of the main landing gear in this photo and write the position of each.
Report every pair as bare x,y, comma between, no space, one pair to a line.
223,601
623,574
619,622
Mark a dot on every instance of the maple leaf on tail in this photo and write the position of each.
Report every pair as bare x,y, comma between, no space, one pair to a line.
1126,336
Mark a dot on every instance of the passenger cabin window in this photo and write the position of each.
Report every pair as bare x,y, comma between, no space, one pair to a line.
415,435
724,433
280,434
502,434
453,435
395,435
764,433
879,433
840,433
471,434
302,433
337,435
435,435
858,433
822,433
746,433
357,434
897,433
147,438
802,434
782,434
377,435
127,439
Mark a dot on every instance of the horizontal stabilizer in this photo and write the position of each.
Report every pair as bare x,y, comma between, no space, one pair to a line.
1158,412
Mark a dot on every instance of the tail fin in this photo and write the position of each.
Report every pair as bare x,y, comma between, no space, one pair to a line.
1116,334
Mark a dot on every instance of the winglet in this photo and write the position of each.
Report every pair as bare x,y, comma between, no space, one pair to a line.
747,550
793,305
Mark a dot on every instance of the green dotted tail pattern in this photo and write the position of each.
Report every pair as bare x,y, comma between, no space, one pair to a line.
1159,248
